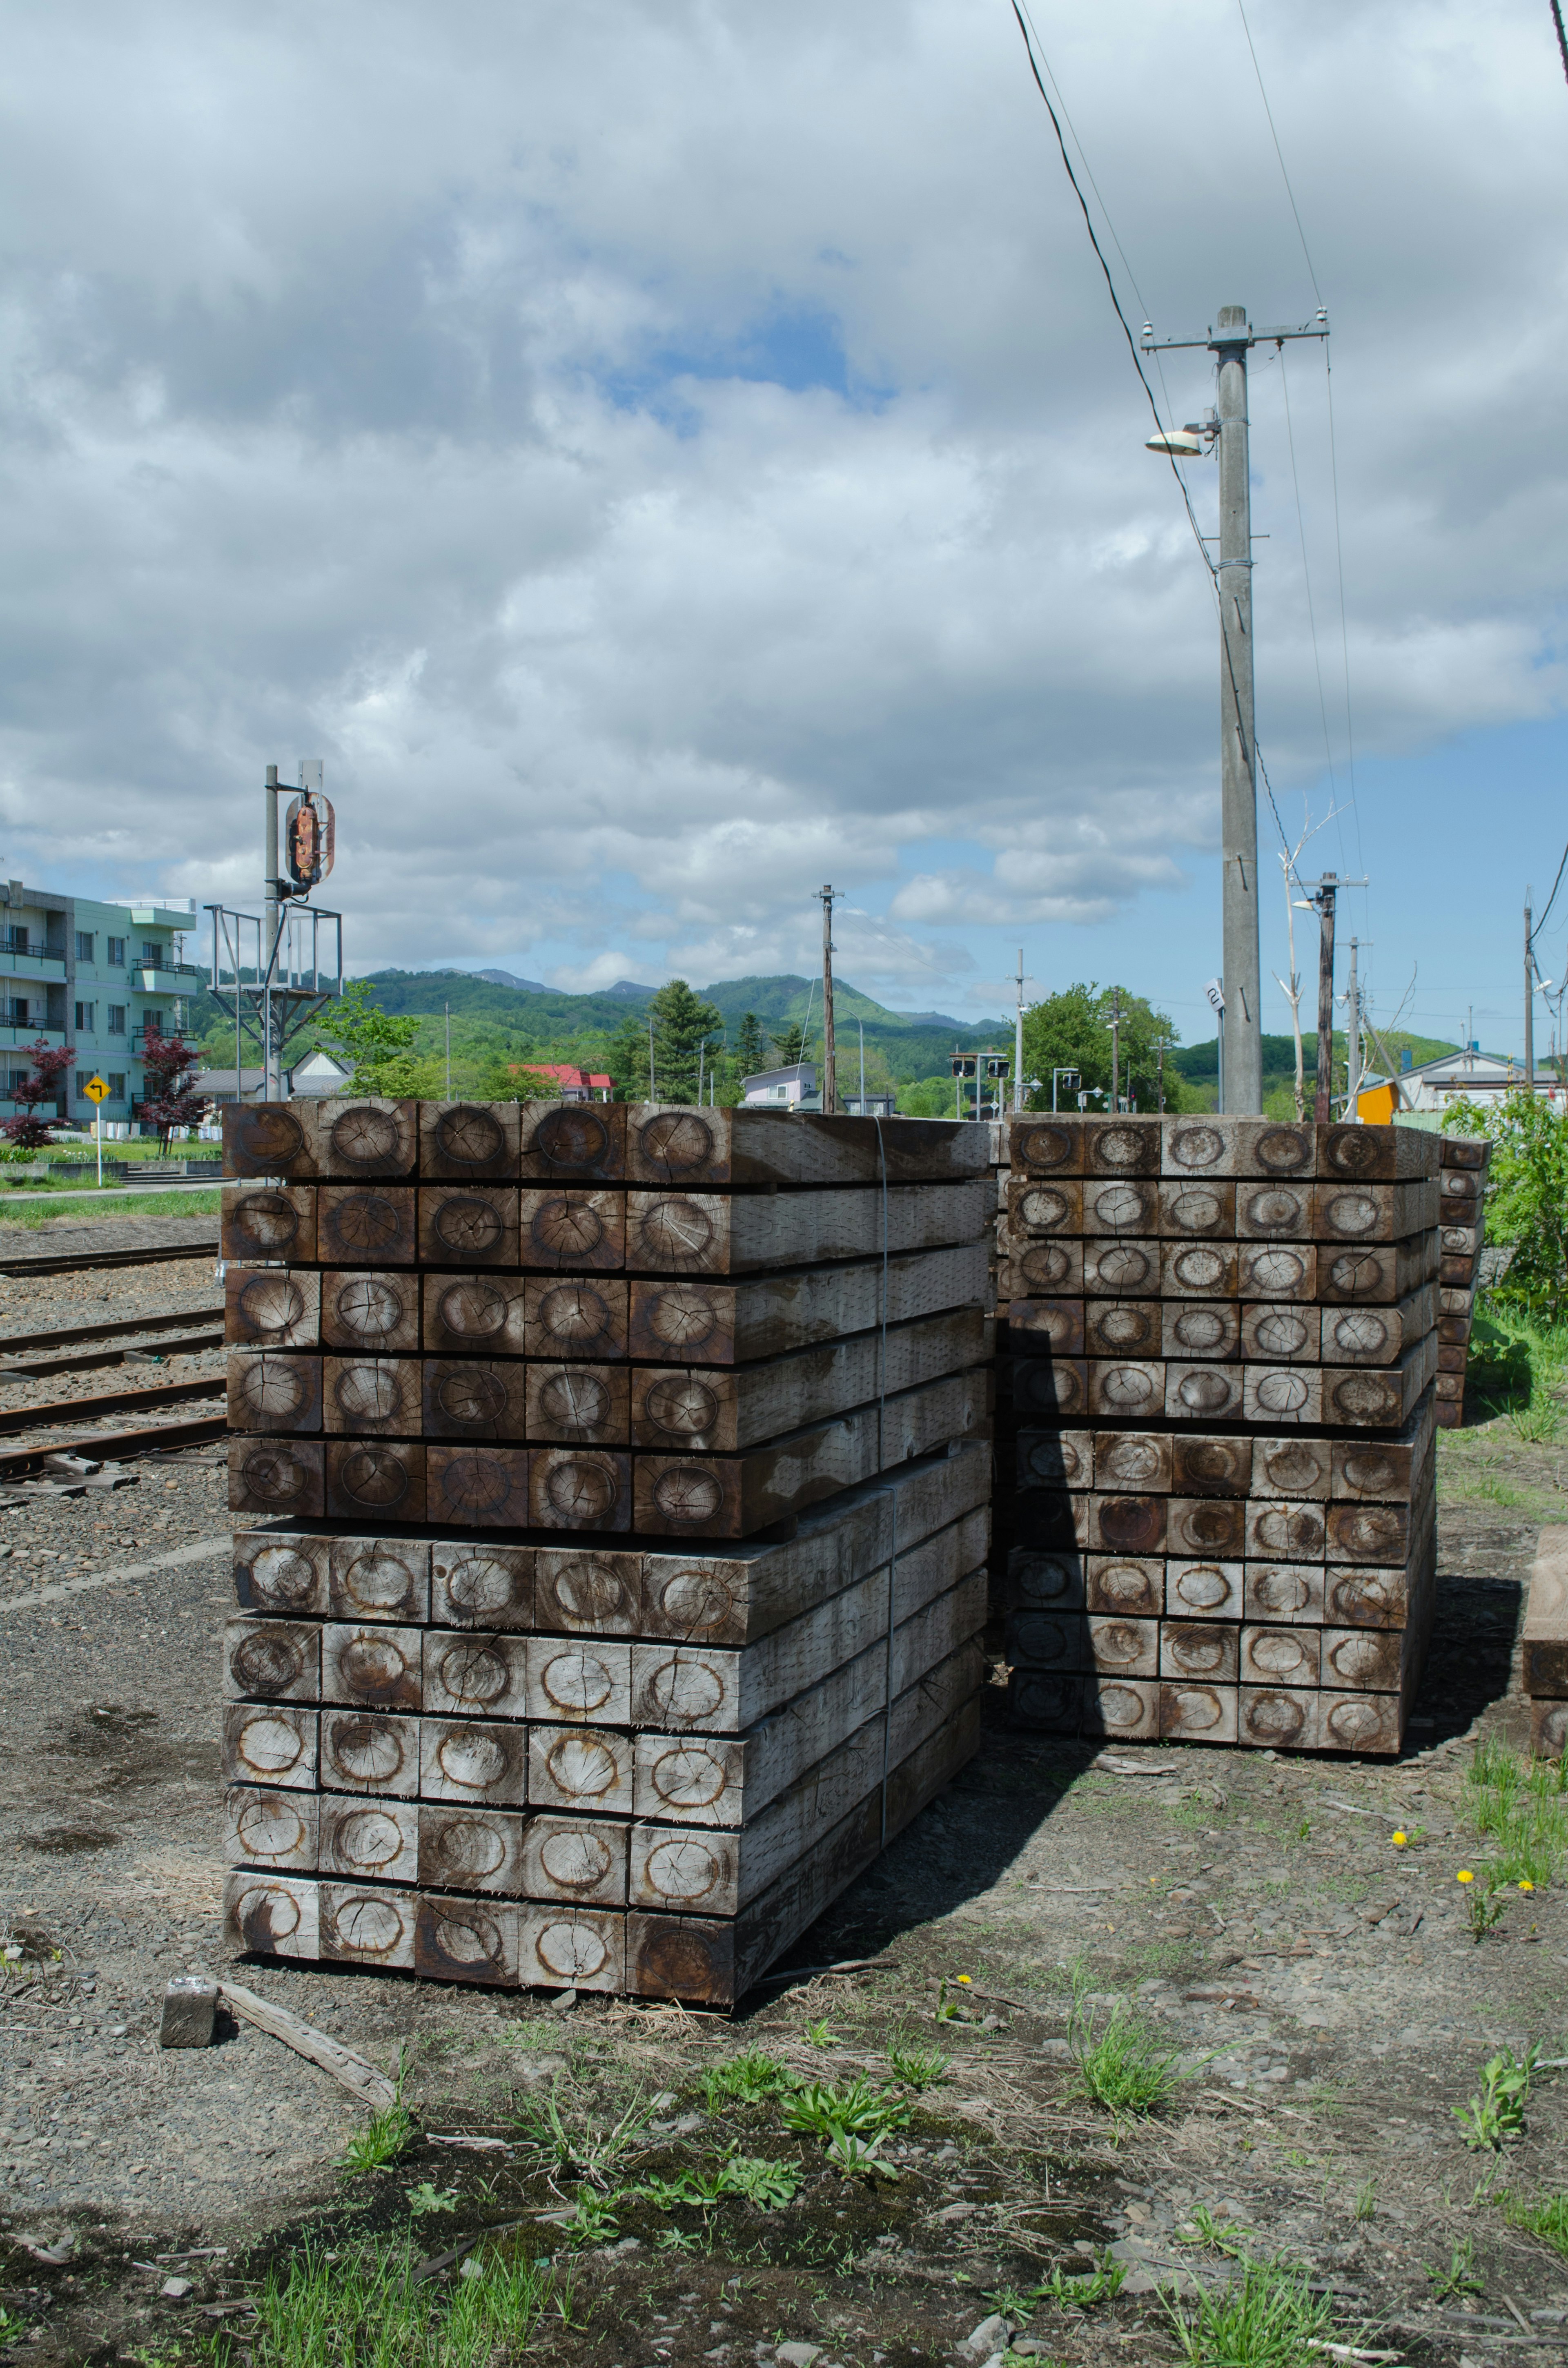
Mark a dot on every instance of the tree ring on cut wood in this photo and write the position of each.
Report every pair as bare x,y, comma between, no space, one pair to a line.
270,1219
365,1394
1044,1209
683,1316
1360,1332
473,1310
377,1581
576,1681
1361,1599
570,1953
1120,1706
1277,1209
472,1674
478,1586
474,1484
676,1141
371,1923
1201,1329
1352,1150
572,1138
682,1407
580,1491
1356,1213
273,1388
274,1136
465,1848
459,1937
1295,1466
1371,1471
1289,1531
269,1661
1197,1708
367,1841
574,1312
1118,1643
685,1871
1213,1527
1124,1328
676,1230
588,1595
582,1767
369,1308
1126,1387
1285,1150
1281,1334
274,1476
1126,1147
270,1747
1120,1206
368,1750
1203,1393
688,1776
1197,1146
696,1601
470,1397
574,1401
1124,1269
470,1135
365,1222
1198,1209
375,1666
375,1477
471,1758
1275,1717
1046,1147
268,1917
282,1576
1374,1532
364,1137
1043,1265
1202,1588
1045,1581
1127,1587
1283,1392
676,1960
271,1302
1195,1270
685,1689
1356,1724
1212,1460
468,1227
688,1494
270,1825
565,1229
577,1861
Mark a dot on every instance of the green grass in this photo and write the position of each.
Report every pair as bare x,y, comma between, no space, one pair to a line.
1122,2066
71,1202
1547,2217
364,2305
384,2136
856,2109
746,2079
1518,1368
752,2178
1522,1806
1267,2317
918,2067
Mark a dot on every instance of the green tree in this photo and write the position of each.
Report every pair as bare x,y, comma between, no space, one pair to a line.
626,1058
751,1052
377,1045
1527,1196
789,1043
1072,1031
684,1028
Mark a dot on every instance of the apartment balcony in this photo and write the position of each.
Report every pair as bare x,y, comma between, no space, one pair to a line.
38,964
168,978
16,1040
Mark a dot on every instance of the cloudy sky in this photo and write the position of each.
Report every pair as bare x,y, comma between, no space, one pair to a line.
667,454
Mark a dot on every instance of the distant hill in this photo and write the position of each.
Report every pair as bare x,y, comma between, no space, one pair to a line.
917,1044
505,978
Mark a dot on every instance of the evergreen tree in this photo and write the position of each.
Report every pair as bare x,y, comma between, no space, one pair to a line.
684,1028
626,1058
789,1043
751,1054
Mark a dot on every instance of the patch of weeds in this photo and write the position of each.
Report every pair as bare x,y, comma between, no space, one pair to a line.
1497,2111
578,2145
1268,2318
821,2034
426,2198
857,2157
385,2136
1221,2239
748,2078
857,2108
1523,1806
1080,2290
1459,2277
1546,2218
365,2305
919,2068
751,2177
1123,2067
591,2221
1150,1957
677,2240
1366,2199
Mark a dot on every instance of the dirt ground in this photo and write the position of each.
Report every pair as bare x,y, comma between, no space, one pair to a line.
1318,1982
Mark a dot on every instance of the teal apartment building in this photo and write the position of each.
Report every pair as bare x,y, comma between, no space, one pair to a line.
91,975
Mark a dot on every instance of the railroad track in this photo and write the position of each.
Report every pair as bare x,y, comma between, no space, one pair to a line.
119,1446
189,1344
87,1261
73,1410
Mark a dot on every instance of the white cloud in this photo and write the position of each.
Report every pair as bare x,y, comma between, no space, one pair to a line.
664,456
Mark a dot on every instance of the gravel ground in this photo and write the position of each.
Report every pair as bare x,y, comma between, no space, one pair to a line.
1318,1983
50,1238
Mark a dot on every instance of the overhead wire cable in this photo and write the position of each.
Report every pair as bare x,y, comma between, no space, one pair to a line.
1307,578
1284,175
1110,286
1552,899
1562,36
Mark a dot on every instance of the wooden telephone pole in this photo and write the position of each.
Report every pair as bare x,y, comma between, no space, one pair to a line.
829,1050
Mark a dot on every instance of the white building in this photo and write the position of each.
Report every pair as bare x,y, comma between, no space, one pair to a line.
1470,1074
782,1089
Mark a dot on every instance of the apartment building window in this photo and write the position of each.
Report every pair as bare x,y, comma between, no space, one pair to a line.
84,1078
15,1080
154,1020
15,940
154,957
116,1020
16,1011
117,953
117,1084
87,1019
85,939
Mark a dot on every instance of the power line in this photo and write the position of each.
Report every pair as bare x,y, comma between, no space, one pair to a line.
1562,36
1552,899
1110,286
1307,574
1284,176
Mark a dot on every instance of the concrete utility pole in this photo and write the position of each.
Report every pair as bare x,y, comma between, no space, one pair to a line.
1530,1001
1240,1082
1352,1041
269,935
829,1053
1115,1047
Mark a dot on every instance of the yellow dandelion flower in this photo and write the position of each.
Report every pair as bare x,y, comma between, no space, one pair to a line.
1526,1885
963,1978
1464,1876
1400,1841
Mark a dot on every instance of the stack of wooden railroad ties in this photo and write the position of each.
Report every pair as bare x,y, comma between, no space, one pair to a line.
615,1490
1462,1177
1220,1345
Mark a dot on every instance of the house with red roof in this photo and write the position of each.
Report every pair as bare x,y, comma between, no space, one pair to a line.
566,1084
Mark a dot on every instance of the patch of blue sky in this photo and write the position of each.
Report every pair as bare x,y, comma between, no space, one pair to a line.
799,349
